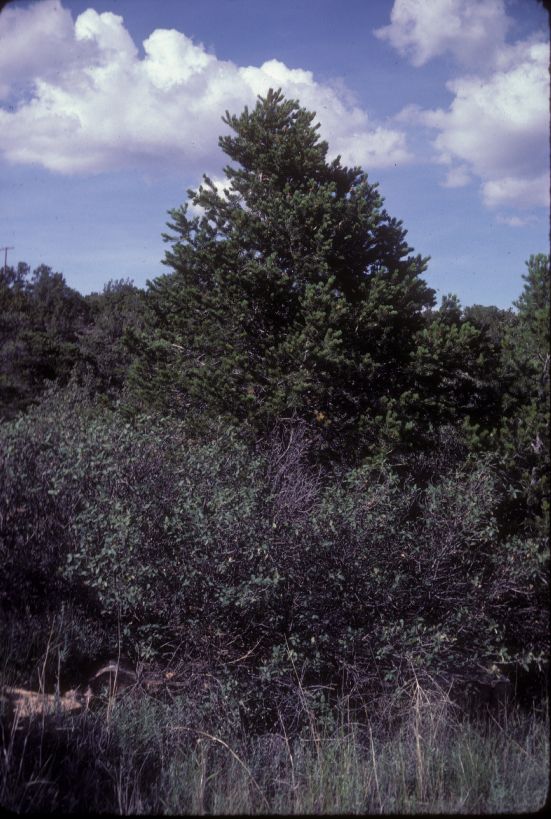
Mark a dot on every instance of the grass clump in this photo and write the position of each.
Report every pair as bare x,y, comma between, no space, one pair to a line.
144,756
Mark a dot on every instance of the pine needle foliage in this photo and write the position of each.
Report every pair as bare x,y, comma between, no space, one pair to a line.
292,291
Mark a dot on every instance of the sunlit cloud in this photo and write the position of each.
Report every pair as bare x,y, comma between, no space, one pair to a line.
423,29
495,129
82,100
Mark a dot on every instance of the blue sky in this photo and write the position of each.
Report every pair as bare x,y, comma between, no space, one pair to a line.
111,109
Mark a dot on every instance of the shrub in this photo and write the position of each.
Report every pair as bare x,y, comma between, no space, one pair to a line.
285,584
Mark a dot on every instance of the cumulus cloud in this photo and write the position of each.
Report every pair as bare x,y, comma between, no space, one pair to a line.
422,29
35,41
496,127
515,221
93,103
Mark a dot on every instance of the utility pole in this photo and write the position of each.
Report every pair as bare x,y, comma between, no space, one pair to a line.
5,249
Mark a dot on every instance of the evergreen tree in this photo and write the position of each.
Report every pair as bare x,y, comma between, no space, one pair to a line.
524,433
105,356
40,321
492,321
456,364
293,292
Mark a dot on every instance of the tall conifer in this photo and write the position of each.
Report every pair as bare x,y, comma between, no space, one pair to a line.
292,291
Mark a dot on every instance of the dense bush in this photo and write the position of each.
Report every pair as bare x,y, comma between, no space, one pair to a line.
255,566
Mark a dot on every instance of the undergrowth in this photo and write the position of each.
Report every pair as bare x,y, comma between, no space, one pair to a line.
145,756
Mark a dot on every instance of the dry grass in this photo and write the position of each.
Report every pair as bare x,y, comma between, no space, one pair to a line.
21,703
138,755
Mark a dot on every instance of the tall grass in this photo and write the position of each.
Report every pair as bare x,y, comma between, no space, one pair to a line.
144,756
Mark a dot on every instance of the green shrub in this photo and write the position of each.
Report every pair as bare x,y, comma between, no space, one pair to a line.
287,584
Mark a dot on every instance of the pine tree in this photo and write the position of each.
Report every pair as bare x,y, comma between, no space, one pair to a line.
456,365
293,292
524,430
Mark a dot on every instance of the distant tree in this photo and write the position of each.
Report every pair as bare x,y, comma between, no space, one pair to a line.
492,321
293,292
41,318
58,310
456,365
14,310
102,342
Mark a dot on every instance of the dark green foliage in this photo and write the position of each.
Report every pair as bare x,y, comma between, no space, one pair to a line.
190,548
492,321
43,478
49,332
40,321
292,292
456,366
524,427
102,346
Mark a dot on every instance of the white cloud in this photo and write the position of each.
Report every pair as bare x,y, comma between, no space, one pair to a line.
523,193
422,29
457,177
35,41
515,221
93,104
496,127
